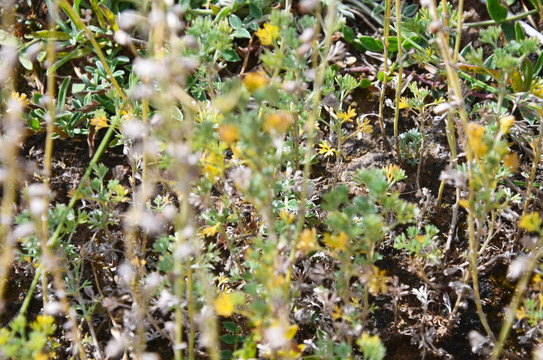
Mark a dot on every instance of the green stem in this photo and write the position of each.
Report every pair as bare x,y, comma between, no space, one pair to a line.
509,19
531,263
399,79
384,84
320,72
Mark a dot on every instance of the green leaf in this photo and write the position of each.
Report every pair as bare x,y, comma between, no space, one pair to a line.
335,198
230,56
255,11
496,10
242,34
53,35
109,16
63,90
519,31
408,43
235,21
371,44
34,124
230,326
25,61
528,74
228,339
348,34
99,14
410,10
226,354
393,44
509,31
538,64
223,13
365,83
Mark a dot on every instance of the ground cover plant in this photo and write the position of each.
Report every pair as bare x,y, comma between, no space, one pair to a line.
247,179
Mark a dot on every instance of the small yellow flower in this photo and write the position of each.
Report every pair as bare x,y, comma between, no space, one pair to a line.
326,150
506,123
403,103
530,222
228,133
21,99
308,241
365,126
337,313
512,162
212,165
521,313
475,135
464,203
255,80
392,171
336,242
99,121
377,283
210,231
346,116
267,34
277,122
224,305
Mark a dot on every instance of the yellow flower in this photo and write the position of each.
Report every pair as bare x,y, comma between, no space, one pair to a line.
209,231
521,313
365,126
530,222
255,80
99,121
224,305
336,242
44,323
403,103
347,116
267,34
475,135
464,203
393,171
277,122
512,162
228,133
21,99
326,150
337,313
378,281
212,165
308,241
506,122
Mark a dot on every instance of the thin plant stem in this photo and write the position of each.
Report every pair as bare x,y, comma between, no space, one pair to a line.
459,103
399,78
386,42
50,124
422,147
509,19
10,148
531,262
320,71
535,163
